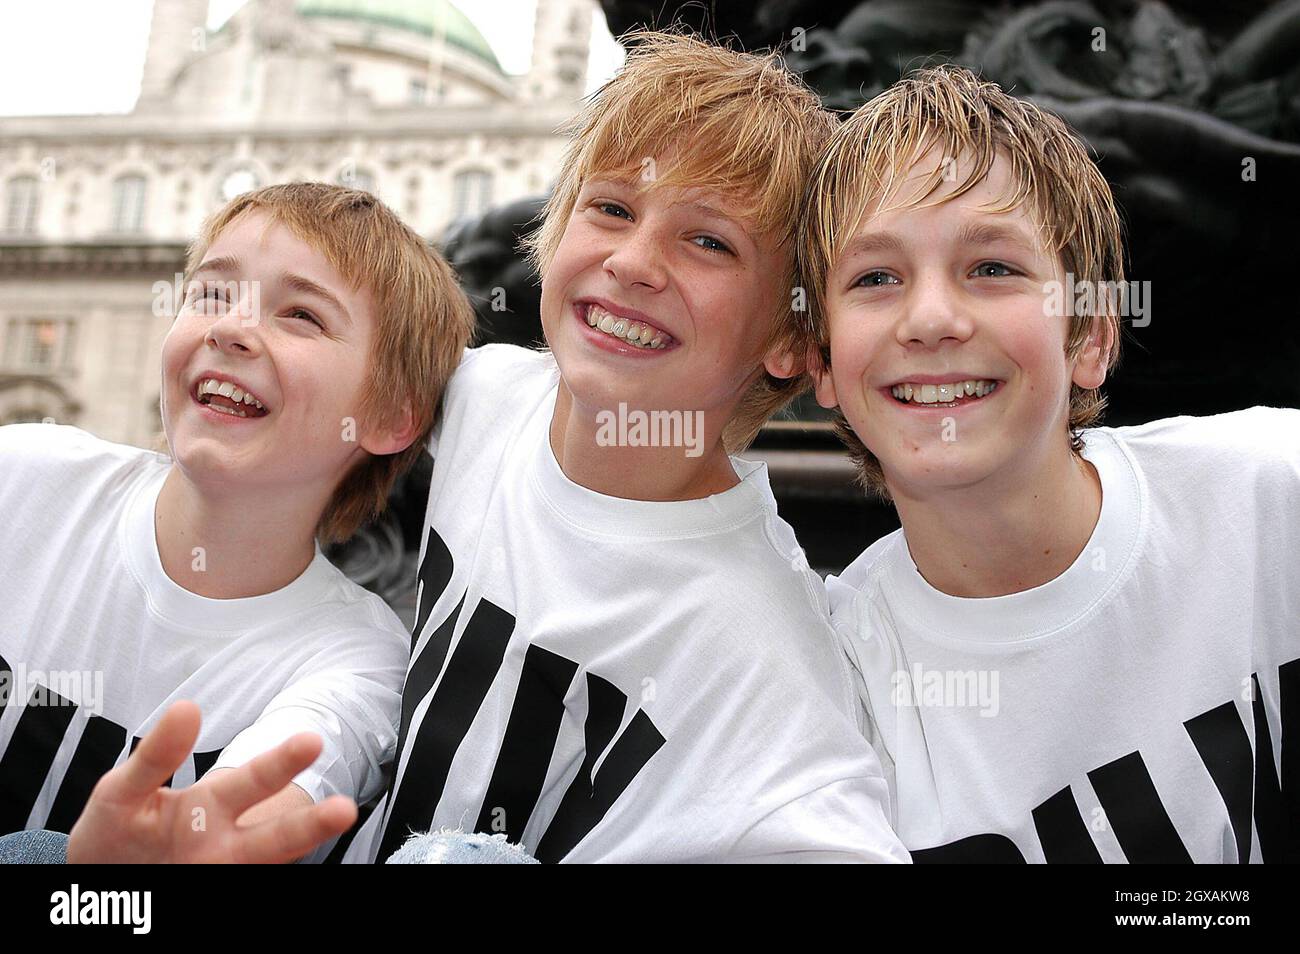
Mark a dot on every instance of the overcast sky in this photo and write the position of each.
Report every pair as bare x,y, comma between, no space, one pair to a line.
85,56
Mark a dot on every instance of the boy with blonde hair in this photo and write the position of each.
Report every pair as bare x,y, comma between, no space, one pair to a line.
1081,645
620,653
299,379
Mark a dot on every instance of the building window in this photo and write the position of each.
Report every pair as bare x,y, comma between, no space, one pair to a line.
128,204
22,197
471,194
236,182
39,344
419,92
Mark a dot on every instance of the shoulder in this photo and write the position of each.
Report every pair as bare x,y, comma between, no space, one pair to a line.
351,604
861,575
59,453
59,442
1261,431
498,369
349,622
493,383
1259,446
774,606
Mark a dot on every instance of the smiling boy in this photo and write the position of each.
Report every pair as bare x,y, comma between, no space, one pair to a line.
199,575
1083,644
620,653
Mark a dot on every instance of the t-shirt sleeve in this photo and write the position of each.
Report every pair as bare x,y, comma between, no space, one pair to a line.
350,695
844,821
30,451
447,397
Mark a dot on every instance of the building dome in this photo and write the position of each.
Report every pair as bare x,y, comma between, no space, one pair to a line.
429,17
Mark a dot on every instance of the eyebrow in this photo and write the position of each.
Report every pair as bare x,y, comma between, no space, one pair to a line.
969,234
708,210
873,242
988,233
697,204
309,287
222,263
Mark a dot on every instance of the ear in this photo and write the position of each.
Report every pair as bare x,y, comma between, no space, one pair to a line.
1090,363
817,361
393,438
781,362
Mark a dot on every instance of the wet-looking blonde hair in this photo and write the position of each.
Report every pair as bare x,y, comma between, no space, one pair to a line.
950,109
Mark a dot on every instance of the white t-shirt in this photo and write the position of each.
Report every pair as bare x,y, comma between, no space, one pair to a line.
96,641
603,679
1110,713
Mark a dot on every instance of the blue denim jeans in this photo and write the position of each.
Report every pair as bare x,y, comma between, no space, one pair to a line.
34,848
433,848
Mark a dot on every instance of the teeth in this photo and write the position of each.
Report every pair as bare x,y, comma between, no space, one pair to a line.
226,389
633,332
228,410
946,393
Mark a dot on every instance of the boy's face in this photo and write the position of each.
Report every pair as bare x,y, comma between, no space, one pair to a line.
938,297
302,354
680,266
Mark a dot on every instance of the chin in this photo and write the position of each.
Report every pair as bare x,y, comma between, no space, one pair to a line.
934,472
595,385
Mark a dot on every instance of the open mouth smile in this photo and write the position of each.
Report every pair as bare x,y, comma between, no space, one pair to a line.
228,399
632,334
948,394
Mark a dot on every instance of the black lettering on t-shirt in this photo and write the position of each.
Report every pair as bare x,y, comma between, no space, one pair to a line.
1246,779
532,728
98,749
29,756
528,744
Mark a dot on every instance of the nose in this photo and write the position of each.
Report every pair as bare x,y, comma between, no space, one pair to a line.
933,314
637,259
235,331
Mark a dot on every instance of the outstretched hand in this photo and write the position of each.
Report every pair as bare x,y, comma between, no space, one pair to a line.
131,818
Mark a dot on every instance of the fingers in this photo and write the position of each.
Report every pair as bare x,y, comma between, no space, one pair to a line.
241,788
292,835
160,753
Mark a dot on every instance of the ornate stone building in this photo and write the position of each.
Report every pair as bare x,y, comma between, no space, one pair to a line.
402,97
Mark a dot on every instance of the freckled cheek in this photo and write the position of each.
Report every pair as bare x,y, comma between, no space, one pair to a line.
859,363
